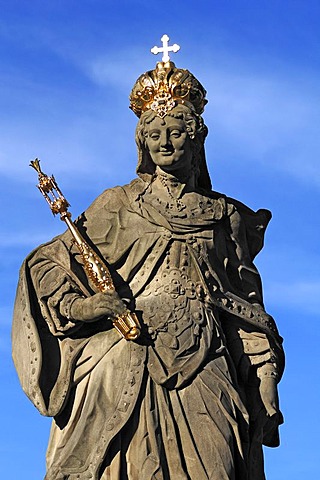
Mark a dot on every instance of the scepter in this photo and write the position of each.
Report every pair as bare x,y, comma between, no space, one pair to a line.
127,324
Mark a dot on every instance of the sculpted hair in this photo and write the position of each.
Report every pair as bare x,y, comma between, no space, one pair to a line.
195,126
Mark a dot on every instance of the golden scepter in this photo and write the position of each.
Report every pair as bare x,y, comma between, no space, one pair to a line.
127,324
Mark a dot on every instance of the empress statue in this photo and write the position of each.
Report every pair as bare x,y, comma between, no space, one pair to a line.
194,397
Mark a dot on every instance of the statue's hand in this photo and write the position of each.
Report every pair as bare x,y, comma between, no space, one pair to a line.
273,417
269,395
89,309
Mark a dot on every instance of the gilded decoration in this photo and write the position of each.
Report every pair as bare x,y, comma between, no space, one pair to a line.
164,88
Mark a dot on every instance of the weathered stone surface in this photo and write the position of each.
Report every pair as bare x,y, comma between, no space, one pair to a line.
195,397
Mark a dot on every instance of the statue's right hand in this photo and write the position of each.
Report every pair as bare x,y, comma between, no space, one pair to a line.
89,309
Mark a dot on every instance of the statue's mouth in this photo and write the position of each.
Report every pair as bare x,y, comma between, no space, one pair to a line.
166,153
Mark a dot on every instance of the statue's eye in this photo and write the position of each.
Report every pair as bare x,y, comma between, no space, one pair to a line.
154,135
175,133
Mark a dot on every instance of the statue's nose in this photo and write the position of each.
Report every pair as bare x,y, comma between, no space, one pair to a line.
164,139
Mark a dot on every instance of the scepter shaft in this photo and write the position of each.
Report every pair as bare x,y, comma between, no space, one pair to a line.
127,324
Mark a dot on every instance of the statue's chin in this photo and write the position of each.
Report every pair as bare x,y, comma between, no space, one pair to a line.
173,165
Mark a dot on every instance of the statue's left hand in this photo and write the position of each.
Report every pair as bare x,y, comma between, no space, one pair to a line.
273,417
269,395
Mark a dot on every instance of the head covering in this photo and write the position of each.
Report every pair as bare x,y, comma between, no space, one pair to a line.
164,88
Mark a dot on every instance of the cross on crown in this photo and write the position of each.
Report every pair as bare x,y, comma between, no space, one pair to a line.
165,49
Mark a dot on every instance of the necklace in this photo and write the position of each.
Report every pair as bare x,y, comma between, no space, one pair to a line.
168,183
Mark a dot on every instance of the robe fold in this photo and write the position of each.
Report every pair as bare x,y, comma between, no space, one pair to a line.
174,403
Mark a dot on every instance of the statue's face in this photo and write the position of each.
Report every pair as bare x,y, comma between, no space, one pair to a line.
169,143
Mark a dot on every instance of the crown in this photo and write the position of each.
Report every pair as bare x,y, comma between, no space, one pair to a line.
166,86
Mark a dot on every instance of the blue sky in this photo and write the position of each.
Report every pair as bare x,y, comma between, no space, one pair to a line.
66,70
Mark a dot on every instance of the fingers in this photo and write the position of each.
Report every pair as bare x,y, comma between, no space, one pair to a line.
110,304
93,308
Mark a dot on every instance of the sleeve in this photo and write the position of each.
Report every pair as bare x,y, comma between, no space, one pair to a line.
242,271
55,287
253,350
42,348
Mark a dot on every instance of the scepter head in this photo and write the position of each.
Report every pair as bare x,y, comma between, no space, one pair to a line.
51,192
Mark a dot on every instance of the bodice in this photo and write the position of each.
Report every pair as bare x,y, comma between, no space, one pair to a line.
182,328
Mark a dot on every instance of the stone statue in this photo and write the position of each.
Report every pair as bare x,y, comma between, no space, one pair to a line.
195,395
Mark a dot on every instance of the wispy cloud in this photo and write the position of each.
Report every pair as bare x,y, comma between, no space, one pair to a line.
265,116
269,118
119,71
14,239
85,145
302,294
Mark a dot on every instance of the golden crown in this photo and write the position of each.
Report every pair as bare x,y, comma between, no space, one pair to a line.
166,86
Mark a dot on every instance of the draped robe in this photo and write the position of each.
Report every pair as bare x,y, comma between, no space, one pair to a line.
177,403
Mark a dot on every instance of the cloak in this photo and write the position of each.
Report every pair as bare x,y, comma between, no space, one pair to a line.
53,354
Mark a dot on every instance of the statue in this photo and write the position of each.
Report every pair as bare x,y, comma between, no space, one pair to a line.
194,396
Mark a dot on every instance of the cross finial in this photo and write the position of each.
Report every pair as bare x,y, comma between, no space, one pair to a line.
165,49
